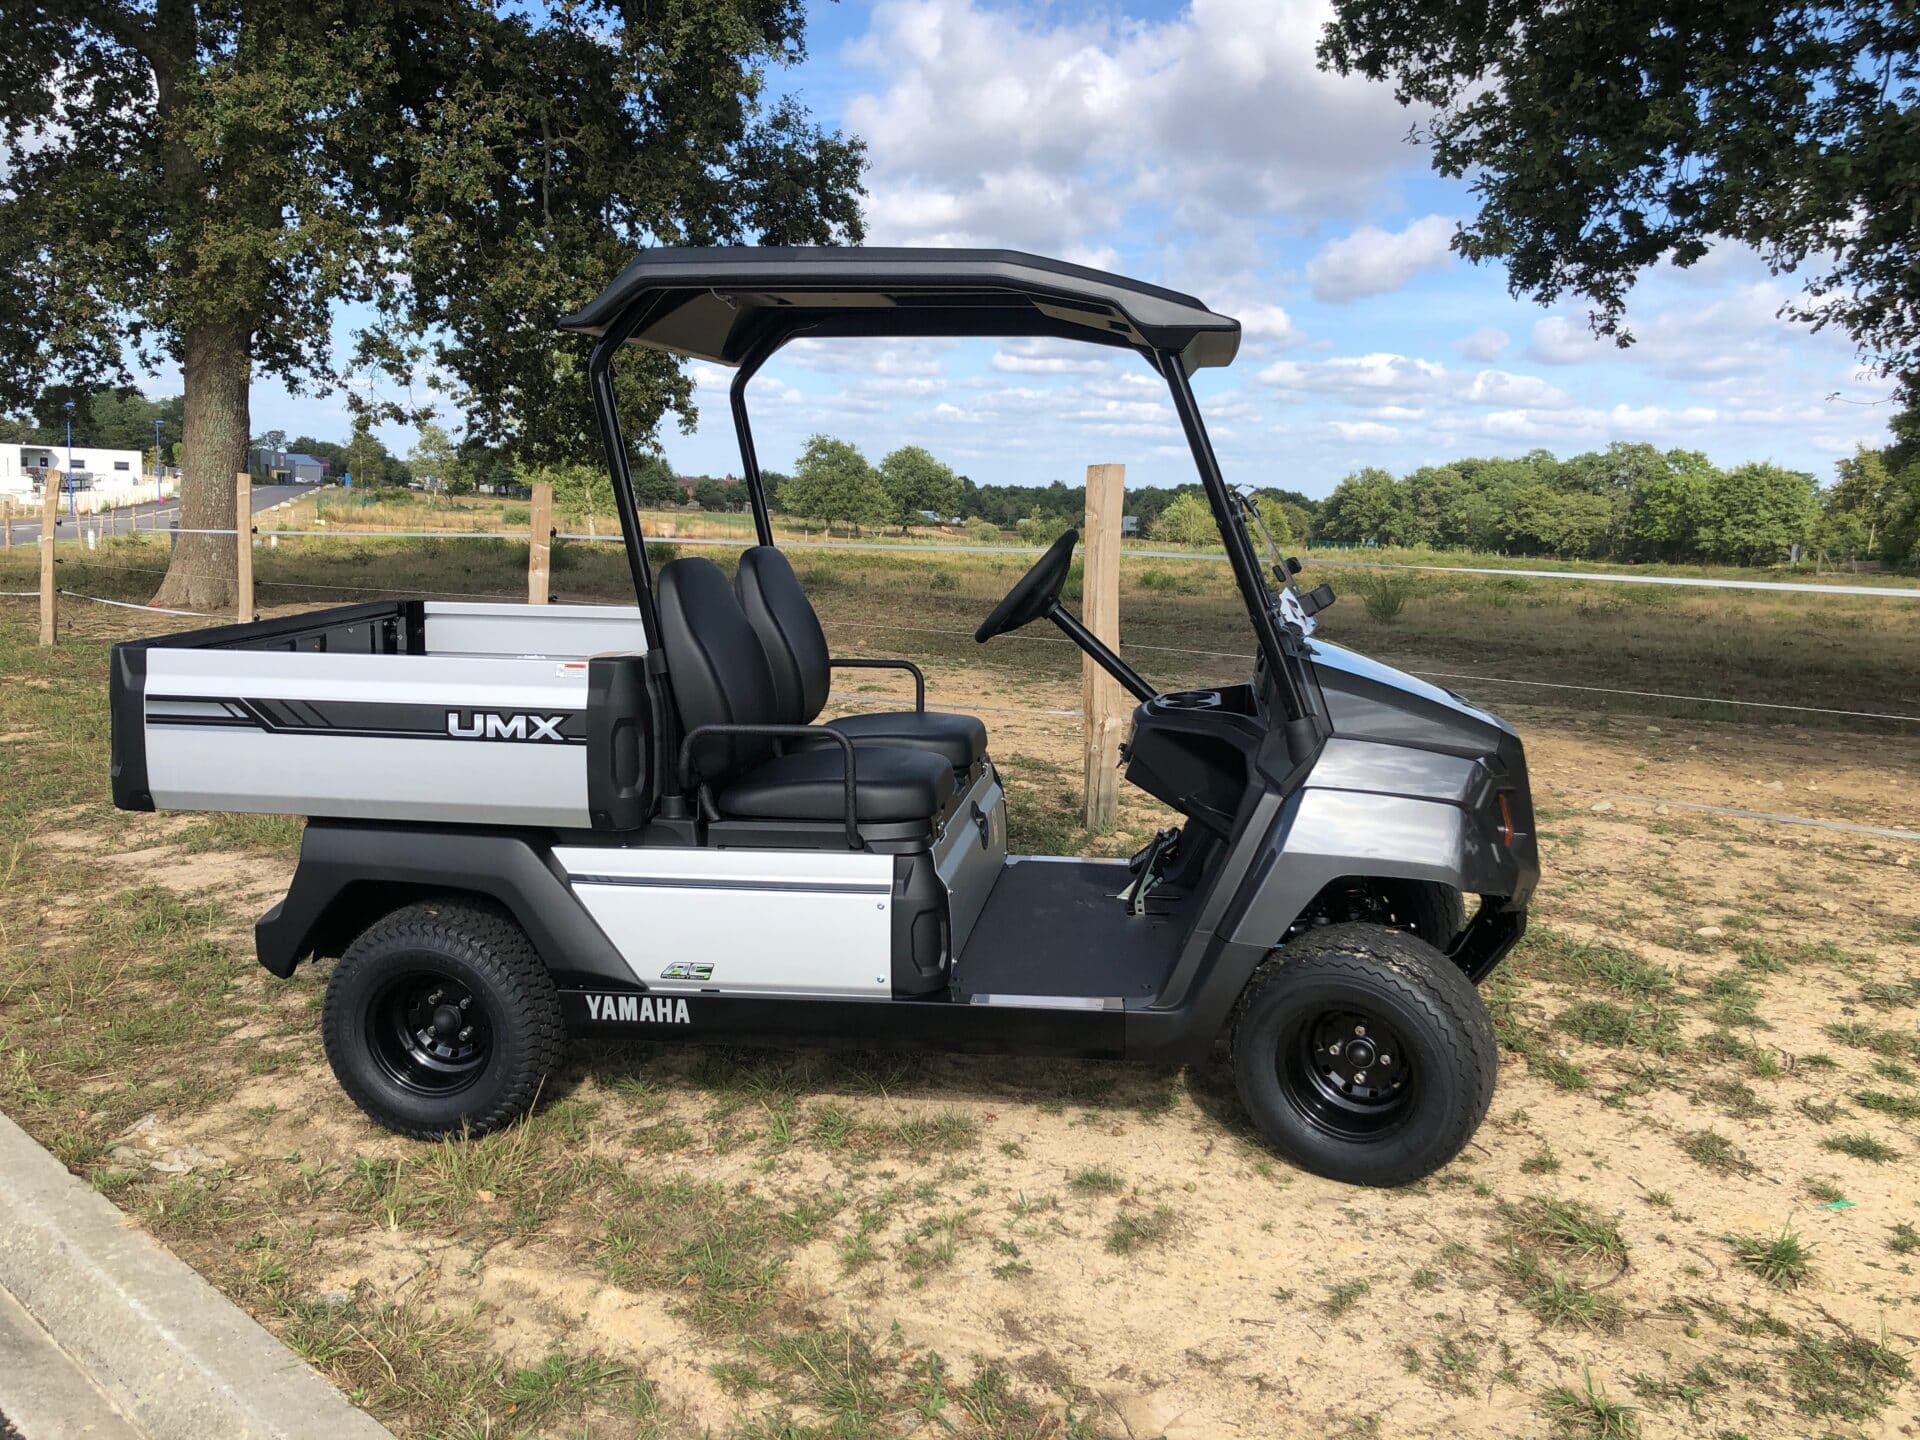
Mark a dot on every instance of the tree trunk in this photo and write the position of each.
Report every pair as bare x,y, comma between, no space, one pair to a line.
218,369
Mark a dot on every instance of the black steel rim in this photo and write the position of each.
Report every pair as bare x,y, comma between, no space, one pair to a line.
1347,1072
429,1032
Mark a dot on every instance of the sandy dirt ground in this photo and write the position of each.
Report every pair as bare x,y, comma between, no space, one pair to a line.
1114,1241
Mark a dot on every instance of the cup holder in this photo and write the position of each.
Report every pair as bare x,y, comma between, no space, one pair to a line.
1190,700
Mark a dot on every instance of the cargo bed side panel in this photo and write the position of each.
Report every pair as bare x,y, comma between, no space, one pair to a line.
378,737
476,628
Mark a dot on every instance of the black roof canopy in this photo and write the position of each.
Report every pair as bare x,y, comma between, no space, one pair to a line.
726,304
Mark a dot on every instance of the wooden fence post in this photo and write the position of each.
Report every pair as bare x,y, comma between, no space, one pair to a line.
50,482
1102,703
243,525
540,545
6,522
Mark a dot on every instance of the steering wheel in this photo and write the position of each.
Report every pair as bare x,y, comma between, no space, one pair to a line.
1034,593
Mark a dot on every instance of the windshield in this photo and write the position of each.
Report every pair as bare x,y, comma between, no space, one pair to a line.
1284,601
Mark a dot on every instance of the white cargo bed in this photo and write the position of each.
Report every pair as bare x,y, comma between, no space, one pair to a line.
448,712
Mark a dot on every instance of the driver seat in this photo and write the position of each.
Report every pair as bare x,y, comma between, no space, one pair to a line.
796,646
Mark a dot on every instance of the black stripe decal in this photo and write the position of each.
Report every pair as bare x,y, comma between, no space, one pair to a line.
672,882
382,720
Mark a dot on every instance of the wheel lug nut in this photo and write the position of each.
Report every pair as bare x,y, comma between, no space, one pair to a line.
466,1002
1360,1078
1334,1049
1386,1059
1359,1029
466,1032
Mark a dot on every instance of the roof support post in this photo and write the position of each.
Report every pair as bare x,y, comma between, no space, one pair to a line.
1282,662
606,410
749,460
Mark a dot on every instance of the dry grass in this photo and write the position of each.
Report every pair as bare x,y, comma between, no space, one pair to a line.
742,1244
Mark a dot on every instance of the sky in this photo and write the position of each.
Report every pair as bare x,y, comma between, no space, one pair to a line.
1197,146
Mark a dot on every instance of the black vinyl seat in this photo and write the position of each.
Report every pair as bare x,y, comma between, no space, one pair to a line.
720,676
796,647
960,740
807,784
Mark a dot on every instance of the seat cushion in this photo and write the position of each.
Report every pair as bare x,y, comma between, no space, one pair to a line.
960,740
807,785
789,631
719,670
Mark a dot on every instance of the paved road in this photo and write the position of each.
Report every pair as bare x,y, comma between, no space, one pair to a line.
154,514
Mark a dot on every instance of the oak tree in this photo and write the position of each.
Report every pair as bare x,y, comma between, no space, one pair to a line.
208,183
1602,139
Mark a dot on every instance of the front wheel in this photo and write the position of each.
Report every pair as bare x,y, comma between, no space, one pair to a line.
1363,1054
441,1019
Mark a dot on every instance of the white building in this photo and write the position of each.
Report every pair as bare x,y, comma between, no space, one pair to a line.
100,479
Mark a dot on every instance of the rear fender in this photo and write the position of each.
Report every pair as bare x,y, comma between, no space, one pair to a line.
350,875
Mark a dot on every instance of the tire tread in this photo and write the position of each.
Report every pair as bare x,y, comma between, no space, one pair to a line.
1430,981
527,992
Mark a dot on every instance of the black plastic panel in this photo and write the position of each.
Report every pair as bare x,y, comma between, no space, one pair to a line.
886,1024
127,710
618,724
1056,927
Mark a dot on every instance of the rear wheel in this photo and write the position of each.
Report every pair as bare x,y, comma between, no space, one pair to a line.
442,1018
1363,1054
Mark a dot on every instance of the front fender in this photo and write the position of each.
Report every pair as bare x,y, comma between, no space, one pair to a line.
1324,834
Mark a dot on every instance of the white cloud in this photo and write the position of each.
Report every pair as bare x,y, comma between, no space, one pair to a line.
1559,341
1503,387
1012,127
1487,343
1362,430
1372,261
1042,356
1357,375
1266,323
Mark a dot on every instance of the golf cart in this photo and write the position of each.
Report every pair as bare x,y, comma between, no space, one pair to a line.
527,823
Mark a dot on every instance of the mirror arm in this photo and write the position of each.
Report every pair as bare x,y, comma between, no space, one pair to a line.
1091,643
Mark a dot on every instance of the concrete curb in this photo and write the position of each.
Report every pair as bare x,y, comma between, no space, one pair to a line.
178,1359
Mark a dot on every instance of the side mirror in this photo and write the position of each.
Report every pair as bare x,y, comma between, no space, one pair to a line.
1317,599
1293,564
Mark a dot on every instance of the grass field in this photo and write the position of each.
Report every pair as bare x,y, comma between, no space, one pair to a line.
1691,1212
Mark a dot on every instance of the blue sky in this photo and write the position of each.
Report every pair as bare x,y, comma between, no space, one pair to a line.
1199,147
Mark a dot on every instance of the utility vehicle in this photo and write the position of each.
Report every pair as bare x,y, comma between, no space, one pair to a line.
529,823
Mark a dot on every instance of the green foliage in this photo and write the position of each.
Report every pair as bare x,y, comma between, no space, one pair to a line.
1369,506
1279,518
916,482
367,461
653,482
1781,1260
720,495
465,172
834,483
435,460
1873,506
1628,502
1187,520
1384,592
1043,529
1605,140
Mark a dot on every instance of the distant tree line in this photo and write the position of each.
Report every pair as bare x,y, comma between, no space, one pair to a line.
1629,502
1634,502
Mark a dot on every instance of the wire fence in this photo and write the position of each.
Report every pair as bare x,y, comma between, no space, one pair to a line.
314,587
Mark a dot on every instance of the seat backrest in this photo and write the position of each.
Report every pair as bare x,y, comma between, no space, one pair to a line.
715,663
789,631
